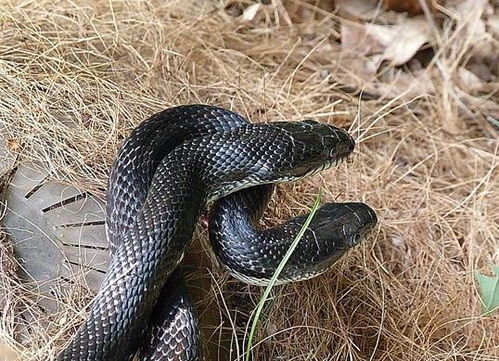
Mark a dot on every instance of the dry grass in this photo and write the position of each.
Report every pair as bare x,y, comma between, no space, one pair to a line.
75,79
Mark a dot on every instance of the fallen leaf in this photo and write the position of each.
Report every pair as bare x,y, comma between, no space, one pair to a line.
358,69
489,290
484,68
355,37
57,232
407,85
250,12
412,7
487,108
403,41
300,12
468,81
395,43
358,9
470,19
493,25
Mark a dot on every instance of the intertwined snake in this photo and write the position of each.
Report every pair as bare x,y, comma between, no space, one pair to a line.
168,170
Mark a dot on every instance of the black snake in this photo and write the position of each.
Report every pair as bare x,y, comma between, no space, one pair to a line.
167,171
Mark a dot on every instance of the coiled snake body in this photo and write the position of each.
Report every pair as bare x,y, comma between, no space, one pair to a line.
167,171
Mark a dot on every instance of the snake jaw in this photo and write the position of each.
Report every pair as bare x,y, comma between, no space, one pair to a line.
327,165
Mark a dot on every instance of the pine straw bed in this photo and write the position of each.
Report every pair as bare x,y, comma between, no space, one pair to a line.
75,79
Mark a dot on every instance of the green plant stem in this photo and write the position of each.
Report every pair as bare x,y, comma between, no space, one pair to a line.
277,272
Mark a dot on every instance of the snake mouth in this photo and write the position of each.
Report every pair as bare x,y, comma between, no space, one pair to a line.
330,163
339,160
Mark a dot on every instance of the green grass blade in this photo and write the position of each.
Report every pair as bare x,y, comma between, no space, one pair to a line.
277,272
489,291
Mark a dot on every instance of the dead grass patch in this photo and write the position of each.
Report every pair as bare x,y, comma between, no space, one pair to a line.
76,78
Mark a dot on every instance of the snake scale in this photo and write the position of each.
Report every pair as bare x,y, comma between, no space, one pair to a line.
168,170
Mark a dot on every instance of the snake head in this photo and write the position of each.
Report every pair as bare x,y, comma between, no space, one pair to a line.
334,229
314,146
265,153
341,226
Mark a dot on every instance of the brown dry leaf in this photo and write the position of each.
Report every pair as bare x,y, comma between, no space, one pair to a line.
478,33
356,37
407,39
371,44
370,9
484,68
493,25
412,7
468,81
469,14
300,11
393,83
359,70
395,43
358,9
487,108
402,84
